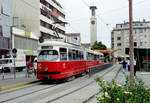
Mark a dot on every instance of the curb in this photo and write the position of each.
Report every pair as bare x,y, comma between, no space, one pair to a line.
85,101
16,85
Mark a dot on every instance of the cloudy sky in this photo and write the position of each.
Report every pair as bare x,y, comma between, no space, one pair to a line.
109,13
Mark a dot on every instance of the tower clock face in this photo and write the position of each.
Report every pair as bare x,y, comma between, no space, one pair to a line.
92,22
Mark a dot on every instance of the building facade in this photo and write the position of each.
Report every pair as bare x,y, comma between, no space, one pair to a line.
141,39
39,17
5,24
36,18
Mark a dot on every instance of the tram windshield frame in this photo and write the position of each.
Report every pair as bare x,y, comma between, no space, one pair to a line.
48,55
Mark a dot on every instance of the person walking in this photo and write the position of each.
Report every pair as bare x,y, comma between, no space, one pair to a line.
27,72
128,64
28,65
124,64
134,66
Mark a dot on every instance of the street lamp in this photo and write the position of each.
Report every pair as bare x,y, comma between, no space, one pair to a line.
12,41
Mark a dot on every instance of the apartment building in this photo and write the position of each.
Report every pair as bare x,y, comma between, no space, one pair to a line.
5,24
141,39
37,18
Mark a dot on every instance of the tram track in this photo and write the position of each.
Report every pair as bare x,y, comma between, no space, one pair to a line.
61,86
59,97
27,94
32,86
14,90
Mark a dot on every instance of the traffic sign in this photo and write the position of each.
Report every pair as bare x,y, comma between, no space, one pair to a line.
14,50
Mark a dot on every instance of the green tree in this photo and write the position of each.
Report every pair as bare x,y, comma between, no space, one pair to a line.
98,46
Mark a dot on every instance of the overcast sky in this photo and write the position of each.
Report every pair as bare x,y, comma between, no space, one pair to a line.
109,13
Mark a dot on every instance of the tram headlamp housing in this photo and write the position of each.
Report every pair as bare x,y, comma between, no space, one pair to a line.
39,66
46,69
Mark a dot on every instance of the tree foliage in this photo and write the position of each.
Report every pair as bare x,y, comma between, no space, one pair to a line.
98,46
113,92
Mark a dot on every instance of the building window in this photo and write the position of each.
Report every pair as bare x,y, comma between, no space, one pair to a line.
135,43
52,8
141,24
1,33
92,22
43,2
118,38
141,43
127,51
119,32
121,26
135,31
118,44
42,23
141,30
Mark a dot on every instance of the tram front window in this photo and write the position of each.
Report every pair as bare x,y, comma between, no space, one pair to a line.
48,55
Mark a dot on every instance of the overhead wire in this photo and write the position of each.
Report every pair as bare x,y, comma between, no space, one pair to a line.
115,10
86,4
123,7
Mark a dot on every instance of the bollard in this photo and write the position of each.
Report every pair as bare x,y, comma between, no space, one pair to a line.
89,72
3,73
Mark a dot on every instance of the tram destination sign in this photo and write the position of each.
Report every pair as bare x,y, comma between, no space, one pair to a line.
47,47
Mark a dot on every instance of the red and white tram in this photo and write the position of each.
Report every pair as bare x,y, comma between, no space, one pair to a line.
58,60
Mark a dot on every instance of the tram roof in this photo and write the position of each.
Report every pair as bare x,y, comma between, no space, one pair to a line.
58,43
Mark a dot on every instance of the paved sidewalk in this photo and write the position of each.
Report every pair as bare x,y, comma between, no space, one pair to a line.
20,80
145,76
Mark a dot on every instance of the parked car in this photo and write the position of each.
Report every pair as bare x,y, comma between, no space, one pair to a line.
6,64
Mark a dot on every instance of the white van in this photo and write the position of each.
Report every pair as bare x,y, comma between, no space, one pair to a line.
8,63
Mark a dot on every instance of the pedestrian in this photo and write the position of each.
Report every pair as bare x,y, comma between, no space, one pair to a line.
128,63
134,62
124,64
27,69
27,72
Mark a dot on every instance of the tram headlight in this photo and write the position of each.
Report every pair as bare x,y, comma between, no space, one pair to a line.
39,66
46,69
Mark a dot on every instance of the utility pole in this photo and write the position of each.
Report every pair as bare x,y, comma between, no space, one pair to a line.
131,44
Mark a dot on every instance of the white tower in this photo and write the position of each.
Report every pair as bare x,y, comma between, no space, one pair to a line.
93,26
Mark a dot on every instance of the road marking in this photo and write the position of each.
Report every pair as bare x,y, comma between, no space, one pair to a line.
16,85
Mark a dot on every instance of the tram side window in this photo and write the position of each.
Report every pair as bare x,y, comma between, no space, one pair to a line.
63,54
70,54
77,55
101,57
95,57
92,56
88,55
82,57
74,54
98,57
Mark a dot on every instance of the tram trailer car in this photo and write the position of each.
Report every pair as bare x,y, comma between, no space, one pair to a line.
59,60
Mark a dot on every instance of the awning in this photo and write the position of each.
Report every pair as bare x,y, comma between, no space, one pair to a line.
105,51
